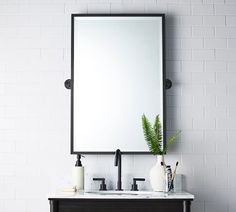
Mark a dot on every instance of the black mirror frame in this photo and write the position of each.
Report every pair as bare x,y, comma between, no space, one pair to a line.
69,82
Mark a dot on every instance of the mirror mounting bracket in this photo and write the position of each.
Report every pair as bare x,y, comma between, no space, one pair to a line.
67,84
168,84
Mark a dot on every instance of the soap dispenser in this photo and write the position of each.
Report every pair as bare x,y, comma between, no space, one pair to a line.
78,174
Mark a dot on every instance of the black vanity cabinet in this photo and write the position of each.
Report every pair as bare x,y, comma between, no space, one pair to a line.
120,204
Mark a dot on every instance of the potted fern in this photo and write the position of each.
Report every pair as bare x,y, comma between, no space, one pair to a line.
153,137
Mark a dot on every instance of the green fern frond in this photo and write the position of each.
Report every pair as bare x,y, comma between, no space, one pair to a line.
153,136
150,136
158,131
171,141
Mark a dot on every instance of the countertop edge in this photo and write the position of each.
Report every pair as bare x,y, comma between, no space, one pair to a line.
86,196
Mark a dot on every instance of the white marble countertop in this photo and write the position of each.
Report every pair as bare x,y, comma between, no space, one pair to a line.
121,195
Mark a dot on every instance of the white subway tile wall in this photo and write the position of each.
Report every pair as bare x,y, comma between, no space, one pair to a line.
35,155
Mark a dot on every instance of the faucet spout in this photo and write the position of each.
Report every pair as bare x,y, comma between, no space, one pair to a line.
118,163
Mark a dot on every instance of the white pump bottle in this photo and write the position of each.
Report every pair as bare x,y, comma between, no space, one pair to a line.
78,175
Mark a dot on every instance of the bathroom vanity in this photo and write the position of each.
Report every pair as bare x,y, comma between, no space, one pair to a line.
117,74
121,202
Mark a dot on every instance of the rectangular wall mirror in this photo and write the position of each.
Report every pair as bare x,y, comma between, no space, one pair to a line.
117,75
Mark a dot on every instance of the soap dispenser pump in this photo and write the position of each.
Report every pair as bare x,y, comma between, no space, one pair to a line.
78,174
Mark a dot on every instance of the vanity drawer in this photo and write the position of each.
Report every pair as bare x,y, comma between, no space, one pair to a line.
116,205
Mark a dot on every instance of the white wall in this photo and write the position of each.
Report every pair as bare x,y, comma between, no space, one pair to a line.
34,106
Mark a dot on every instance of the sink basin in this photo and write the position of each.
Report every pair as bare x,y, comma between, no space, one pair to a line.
136,193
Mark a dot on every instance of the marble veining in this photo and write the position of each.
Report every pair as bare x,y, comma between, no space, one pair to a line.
128,195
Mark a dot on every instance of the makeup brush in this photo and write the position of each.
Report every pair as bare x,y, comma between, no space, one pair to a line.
176,165
173,176
164,166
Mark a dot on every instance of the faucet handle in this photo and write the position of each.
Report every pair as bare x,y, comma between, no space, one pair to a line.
134,186
103,186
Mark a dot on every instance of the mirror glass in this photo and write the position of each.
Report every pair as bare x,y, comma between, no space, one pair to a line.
117,75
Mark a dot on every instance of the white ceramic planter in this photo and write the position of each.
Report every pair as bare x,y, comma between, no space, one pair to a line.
157,175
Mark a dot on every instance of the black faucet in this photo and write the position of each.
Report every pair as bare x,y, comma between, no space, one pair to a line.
118,163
